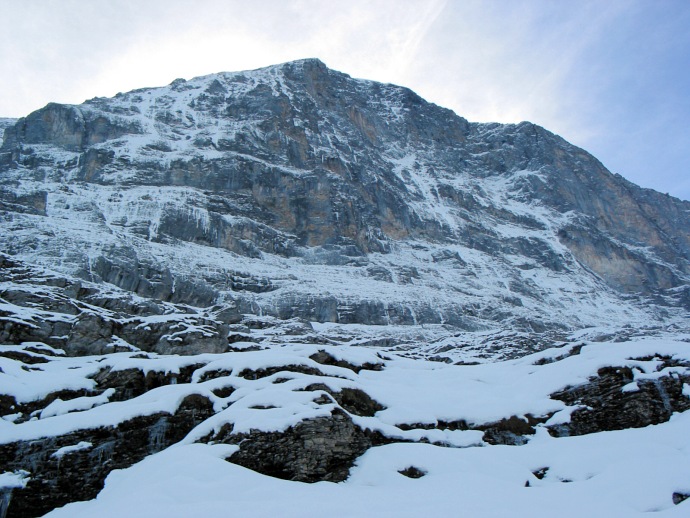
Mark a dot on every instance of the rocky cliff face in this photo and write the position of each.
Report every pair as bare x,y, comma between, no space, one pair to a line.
298,191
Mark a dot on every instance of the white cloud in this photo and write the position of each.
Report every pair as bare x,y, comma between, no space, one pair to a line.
86,52
564,65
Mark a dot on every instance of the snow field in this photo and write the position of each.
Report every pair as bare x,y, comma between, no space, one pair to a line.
620,473
614,474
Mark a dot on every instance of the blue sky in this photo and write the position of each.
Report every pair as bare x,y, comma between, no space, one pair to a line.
610,76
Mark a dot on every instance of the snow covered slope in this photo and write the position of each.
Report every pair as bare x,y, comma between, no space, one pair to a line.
297,191
510,438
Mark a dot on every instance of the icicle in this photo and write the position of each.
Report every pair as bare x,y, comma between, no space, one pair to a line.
5,498
104,452
157,435
664,395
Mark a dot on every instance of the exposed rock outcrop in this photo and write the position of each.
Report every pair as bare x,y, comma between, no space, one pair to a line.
83,319
72,467
615,401
323,448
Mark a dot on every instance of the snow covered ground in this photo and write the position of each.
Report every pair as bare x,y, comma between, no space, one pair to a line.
622,473
614,474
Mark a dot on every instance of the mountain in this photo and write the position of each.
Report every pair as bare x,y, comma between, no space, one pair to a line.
216,293
297,191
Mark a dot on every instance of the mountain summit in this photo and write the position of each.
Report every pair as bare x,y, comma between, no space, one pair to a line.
298,191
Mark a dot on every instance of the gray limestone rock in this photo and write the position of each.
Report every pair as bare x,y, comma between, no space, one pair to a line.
606,406
298,191
79,475
323,448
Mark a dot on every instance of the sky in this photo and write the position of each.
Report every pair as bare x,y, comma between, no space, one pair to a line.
611,76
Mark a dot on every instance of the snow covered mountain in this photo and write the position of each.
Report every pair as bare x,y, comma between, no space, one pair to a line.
326,279
297,191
